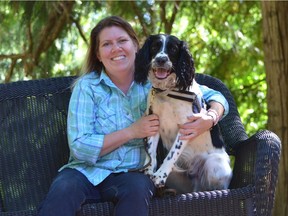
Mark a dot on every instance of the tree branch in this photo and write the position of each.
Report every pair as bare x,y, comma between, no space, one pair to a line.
163,14
10,71
14,56
173,17
140,17
168,24
56,21
78,26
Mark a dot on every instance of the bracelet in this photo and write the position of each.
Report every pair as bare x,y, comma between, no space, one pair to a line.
214,115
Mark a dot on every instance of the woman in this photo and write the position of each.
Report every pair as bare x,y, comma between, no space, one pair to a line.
106,127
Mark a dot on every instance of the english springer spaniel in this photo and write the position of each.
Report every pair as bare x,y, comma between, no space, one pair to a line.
190,165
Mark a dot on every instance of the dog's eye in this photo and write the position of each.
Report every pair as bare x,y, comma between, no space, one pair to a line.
173,49
156,46
154,49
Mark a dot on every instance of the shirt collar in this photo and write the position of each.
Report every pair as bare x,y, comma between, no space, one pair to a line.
106,79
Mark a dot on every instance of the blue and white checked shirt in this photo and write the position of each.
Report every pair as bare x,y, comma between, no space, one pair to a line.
97,107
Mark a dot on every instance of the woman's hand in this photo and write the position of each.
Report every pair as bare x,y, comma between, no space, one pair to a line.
145,126
196,125
200,122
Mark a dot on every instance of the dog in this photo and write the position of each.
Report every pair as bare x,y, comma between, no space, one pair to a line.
190,165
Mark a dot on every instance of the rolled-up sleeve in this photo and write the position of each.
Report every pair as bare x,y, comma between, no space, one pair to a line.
213,95
84,144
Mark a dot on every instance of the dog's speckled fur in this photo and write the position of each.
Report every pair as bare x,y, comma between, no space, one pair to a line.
206,165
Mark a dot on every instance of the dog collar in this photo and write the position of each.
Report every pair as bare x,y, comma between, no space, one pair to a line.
180,95
183,95
157,90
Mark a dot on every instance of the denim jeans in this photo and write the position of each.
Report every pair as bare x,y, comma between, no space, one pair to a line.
130,192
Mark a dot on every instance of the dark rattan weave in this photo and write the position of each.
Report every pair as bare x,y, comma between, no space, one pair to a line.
33,146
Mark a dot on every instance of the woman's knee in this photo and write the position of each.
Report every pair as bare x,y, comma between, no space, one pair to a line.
69,181
67,192
141,184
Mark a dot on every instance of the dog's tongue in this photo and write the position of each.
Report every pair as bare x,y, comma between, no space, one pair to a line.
161,73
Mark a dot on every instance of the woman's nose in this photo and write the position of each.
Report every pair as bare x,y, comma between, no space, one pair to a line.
116,46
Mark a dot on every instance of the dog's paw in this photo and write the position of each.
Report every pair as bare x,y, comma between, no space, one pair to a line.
158,182
149,171
159,179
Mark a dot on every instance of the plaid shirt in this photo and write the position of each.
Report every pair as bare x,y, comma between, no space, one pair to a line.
97,107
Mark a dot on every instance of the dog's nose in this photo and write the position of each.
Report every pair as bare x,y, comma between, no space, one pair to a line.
161,60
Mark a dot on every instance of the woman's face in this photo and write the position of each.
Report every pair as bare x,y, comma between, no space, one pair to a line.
116,51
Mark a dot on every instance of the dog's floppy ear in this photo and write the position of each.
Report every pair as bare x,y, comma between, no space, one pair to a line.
142,62
185,67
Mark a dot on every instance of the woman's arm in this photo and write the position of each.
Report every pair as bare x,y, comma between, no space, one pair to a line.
201,122
144,127
87,145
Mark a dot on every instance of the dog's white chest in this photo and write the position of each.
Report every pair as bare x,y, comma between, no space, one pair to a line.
171,111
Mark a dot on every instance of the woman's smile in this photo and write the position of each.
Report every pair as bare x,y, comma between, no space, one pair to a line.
121,57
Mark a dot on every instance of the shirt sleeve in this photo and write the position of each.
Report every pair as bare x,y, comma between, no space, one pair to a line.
84,144
213,95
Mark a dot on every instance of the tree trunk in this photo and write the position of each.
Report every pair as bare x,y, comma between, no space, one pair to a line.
275,35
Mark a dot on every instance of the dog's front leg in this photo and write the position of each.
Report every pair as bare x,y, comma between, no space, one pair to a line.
160,177
152,144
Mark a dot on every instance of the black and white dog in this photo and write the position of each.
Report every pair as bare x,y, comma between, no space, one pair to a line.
192,165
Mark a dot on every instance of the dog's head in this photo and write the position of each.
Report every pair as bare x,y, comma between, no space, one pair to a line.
167,61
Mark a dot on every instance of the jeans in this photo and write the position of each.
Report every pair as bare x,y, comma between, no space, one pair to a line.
131,193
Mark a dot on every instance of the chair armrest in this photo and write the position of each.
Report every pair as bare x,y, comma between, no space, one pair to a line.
256,163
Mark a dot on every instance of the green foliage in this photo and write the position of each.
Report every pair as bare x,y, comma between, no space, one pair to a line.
224,38
228,45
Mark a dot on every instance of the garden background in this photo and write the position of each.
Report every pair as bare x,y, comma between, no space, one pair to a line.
243,43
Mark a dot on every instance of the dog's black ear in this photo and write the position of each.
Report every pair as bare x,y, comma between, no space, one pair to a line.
185,67
142,62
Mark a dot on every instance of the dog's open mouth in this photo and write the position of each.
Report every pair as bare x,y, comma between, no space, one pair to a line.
161,73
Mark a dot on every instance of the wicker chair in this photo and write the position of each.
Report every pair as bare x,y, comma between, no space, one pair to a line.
33,146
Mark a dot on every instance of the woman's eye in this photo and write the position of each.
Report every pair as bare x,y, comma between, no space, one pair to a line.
123,40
